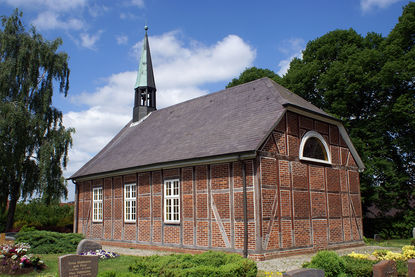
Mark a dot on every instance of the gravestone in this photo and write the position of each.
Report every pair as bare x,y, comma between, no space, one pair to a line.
413,233
305,272
377,237
78,266
385,269
411,268
86,245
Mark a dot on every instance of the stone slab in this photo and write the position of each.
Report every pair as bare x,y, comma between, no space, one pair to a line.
78,266
411,268
87,245
385,269
305,272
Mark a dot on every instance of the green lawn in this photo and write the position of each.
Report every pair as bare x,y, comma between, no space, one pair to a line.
390,243
119,265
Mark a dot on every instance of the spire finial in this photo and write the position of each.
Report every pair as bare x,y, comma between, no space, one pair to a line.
146,28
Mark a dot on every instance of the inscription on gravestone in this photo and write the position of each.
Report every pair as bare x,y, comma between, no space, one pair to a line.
78,266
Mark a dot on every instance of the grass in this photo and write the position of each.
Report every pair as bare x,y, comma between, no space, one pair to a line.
51,260
399,243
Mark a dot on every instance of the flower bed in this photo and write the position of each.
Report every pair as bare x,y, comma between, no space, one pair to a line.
408,252
101,253
15,260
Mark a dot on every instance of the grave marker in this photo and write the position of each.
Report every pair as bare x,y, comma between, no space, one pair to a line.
78,266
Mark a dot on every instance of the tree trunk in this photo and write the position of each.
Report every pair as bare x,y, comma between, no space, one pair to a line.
12,207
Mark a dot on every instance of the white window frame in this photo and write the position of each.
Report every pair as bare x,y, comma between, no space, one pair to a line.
97,208
170,197
130,202
314,134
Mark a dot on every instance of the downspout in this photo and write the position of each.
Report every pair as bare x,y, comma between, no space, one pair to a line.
75,224
245,203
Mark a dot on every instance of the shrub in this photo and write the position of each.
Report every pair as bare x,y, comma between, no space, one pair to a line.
45,242
358,267
413,242
37,214
329,261
206,264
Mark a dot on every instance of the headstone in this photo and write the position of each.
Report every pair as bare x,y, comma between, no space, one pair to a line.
413,233
78,266
385,269
377,237
305,272
411,268
87,245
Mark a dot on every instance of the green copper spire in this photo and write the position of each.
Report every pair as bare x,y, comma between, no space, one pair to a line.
145,76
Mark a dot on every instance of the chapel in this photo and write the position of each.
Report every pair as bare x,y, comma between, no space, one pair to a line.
253,169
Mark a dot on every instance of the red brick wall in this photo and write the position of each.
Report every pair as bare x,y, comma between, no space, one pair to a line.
211,209
307,204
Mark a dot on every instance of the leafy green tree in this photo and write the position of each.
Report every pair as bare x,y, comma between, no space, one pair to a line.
34,143
251,74
367,82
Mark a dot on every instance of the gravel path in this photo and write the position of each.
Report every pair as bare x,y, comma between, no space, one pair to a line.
274,265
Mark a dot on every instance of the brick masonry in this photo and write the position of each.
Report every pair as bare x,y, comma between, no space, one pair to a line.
293,206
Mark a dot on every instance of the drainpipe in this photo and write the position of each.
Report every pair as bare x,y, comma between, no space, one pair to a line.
245,203
75,224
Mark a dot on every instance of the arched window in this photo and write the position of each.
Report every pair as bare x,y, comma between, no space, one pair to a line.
314,148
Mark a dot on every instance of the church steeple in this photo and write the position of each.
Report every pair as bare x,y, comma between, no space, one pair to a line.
145,87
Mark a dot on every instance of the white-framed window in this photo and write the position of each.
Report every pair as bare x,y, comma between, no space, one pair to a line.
130,202
97,204
314,148
172,201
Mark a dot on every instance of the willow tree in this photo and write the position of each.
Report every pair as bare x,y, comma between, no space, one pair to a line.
33,141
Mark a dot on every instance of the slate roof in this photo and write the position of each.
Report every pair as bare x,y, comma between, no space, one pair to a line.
233,120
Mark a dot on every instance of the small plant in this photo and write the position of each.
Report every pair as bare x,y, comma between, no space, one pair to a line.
328,261
358,267
15,260
206,264
45,242
102,254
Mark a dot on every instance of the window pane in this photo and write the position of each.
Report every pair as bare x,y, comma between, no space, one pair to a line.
313,148
133,193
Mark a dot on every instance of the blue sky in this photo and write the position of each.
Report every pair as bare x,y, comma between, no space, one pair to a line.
197,48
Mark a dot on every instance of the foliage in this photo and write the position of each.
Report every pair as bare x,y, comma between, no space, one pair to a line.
412,241
358,267
36,213
14,259
329,261
367,82
44,242
205,264
102,254
251,74
34,141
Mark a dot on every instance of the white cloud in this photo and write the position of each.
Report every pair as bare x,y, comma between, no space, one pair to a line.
137,3
50,20
293,49
180,71
367,5
88,41
121,39
61,5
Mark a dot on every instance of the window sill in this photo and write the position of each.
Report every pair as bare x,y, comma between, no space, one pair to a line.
130,221
172,222
306,159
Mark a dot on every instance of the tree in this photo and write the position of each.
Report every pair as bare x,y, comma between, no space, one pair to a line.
34,142
251,74
368,83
